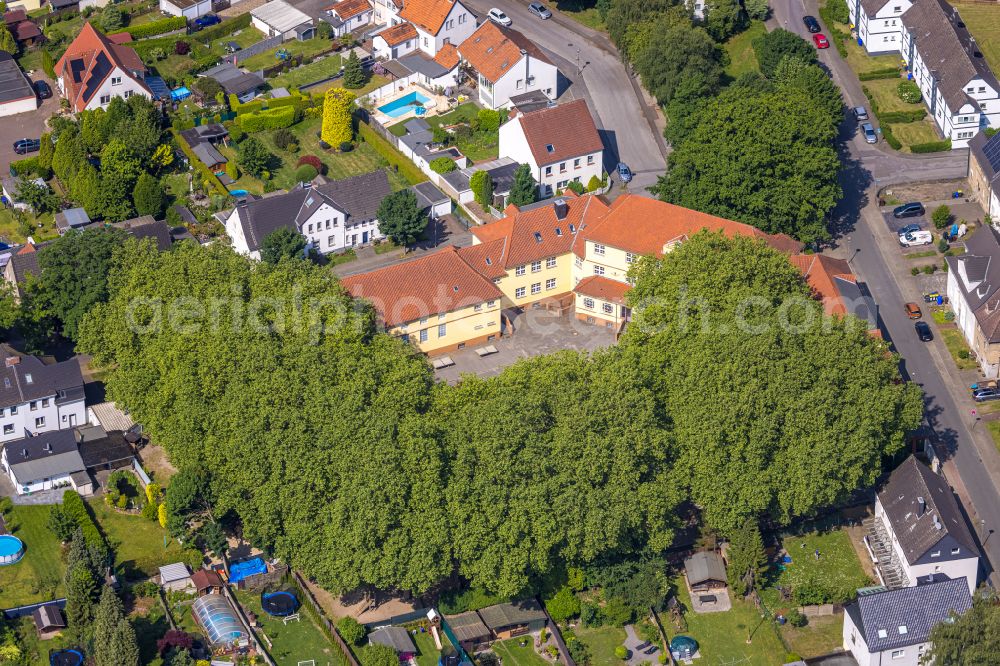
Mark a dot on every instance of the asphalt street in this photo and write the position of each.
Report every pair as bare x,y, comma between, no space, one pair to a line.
869,245
627,132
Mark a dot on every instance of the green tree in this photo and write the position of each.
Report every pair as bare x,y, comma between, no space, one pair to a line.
970,639
214,538
120,169
70,154
746,558
124,647
86,190
112,18
377,654
354,73
61,523
681,61
351,630
941,217
74,273
772,46
190,496
443,165
39,197
524,190
253,157
48,64
281,243
758,10
109,614
563,605
798,75
623,13
7,41
149,196
482,188
46,152
724,18
338,109
81,595
400,217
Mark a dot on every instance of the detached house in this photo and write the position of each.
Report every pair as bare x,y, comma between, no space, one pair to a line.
93,70
36,398
559,143
974,295
507,64
347,16
437,22
333,217
919,534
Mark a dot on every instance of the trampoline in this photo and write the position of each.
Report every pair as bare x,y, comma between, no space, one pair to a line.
279,604
67,657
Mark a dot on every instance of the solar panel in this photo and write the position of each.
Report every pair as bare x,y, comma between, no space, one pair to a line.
77,67
102,67
992,152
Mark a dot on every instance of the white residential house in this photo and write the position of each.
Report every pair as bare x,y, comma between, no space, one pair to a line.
893,627
919,534
93,70
507,64
347,16
277,17
46,461
335,216
436,22
37,398
189,9
559,143
880,25
974,295
395,41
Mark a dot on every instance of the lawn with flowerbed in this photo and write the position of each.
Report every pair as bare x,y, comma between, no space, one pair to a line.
958,348
519,651
601,641
40,227
911,134
38,576
141,546
833,575
885,92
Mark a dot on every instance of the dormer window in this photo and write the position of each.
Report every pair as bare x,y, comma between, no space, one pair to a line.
956,551
936,553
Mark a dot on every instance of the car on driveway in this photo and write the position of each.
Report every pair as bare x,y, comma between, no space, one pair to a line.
869,132
912,209
923,331
43,89
207,20
860,113
624,173
913,311
25,146
812,25
909,229
821,41
497,16
982,395
540,10
916,238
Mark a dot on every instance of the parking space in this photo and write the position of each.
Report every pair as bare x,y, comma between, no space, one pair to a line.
897,224
25,125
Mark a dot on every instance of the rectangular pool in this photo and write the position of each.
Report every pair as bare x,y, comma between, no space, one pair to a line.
405,104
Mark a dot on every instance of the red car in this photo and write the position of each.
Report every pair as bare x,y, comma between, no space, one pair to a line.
821,41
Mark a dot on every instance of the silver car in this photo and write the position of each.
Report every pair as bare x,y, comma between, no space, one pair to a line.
860,113
540,10
869,132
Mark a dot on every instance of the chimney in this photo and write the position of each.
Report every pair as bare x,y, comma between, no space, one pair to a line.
937,523
973,48
12,361
561,208
921,506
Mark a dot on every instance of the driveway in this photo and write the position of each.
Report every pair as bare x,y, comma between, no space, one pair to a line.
628,130
649,655
25,125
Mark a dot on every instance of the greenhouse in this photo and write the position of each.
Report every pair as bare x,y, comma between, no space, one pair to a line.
216,616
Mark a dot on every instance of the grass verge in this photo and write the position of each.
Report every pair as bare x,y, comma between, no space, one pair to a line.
742,58
955,343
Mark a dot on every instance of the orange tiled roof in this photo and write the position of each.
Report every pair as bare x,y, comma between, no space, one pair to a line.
433,284
493,50
602,288
82,67
447,57
120,38
347,9
428,14
643,226
27,249
821,273
560,132
486,258
537,232
398,34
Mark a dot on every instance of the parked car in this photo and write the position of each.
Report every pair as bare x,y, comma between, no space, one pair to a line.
207,20
821,41
497,16
860,113
43,90
642,646
869,132
25,146
913,311
912,209
812,25
909,229
624,173
982,395
916,238
923,331
540,10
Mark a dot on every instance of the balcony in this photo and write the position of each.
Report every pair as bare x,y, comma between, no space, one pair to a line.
879,543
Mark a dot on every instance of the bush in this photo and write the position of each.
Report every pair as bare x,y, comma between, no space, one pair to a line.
575,186
443,165
267,120
27,167
146,588
351,630
963,354
797,619
929,269
156,27
73,505
909,92
884,73
405,167
225,28
621,652
183,48
890,138
595,184
914,271
931,146
283,137
943,245
941,217
489,120
902,116
305,173
313,161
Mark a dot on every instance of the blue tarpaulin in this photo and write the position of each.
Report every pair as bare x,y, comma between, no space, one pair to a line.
177,94
238,572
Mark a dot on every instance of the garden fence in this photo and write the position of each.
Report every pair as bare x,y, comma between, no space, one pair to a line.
663,635
557,636
23,611
324,620
256,48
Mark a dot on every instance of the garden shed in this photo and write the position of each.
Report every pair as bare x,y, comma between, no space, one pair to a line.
207,581
470,632
514,618
175,577
49,619
705,571
397,638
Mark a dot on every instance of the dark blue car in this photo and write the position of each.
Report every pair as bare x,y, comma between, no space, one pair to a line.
207,20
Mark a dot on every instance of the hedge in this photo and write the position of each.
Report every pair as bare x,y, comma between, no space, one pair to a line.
890,138
902,116
408,169
27,166
837,36
73,506
205,172
884,73
223,29
144,47
154,28
267,120
931,146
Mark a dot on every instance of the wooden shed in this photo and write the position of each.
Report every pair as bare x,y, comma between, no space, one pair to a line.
705,571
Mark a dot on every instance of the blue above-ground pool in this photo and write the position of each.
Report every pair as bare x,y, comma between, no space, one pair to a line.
11,549
405,104
68,657
177,94
239,193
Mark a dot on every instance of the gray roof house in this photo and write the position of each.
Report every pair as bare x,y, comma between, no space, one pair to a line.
705,570
514,618
974,294
49,455
893,626
145,227
235,81
395,637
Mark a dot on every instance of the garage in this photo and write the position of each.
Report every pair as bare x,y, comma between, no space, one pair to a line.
16,93
189,9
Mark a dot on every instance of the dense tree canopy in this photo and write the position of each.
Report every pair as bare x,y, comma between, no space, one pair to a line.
772,47
680,60
280,243
972,639
400,218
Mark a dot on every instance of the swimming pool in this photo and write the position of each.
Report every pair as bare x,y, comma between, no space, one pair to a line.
11,549
238,193
400,107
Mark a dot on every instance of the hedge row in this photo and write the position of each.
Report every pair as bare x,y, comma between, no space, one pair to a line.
884,73
297,101
28,167
902,116
154,28
271,119
396,159
223,29
74,507
144,47
931,146
890,138
206,173
837,36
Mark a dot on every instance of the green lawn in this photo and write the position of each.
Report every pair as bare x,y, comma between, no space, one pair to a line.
374,81
955,343
293,48
722,636
602,642
31,60
428,654
993,427
821,636
837,569
883,91
581,11
739,48
39,574
42,227
983,21
138,542
922,131
314,71
481,146
512,654
295,641
341,258
861,62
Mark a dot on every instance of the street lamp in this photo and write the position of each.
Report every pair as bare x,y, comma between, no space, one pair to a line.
578,68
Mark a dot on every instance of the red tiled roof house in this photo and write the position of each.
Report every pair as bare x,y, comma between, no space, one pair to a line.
93,70
507,64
